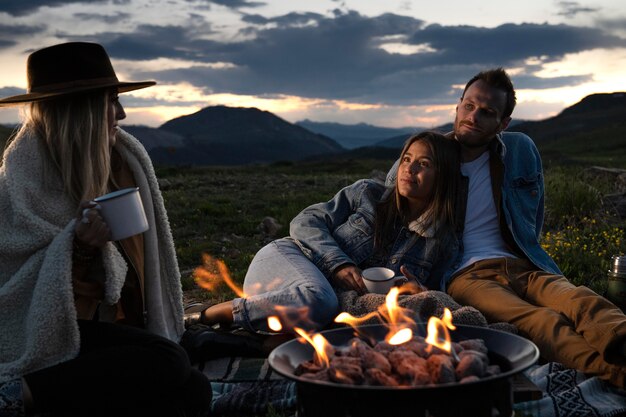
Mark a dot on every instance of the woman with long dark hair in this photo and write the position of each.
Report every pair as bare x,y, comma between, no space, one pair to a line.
407,227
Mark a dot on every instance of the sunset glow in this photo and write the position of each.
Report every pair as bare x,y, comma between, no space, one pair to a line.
396,63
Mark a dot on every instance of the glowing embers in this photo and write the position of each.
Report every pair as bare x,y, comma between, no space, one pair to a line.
401,359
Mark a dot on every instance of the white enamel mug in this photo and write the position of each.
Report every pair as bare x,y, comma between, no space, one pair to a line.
123,212
380,280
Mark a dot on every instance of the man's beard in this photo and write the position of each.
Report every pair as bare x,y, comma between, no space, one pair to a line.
471,139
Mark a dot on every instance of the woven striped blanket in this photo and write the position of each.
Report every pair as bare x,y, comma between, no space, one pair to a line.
249,387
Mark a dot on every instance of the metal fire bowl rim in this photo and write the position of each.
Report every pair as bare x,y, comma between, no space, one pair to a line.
518,352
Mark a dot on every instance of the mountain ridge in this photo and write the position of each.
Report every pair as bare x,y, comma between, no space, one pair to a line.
353,136
221,135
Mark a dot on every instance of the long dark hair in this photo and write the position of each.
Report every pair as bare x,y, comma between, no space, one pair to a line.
394,208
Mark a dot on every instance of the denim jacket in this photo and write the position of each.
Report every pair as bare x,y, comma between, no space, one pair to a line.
522,200
523,196
341,231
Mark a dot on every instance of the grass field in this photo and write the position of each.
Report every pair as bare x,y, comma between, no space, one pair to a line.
217,210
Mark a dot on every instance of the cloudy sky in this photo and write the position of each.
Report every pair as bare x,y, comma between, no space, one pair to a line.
384,62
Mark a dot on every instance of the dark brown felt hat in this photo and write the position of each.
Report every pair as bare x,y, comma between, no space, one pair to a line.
68,68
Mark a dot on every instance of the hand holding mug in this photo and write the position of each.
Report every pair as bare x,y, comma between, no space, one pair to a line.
123,212
91,229
348,277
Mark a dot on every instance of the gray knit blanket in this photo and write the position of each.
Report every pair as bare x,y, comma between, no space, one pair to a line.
423,306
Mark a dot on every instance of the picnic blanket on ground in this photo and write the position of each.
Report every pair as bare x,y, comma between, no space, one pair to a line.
567,392
249,387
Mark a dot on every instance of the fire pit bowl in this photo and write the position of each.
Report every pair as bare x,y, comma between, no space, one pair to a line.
490,396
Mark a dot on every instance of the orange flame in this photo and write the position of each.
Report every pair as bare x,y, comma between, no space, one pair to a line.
434,337
291,317
320,344
212,273
273,323
398,319
350,320
401,336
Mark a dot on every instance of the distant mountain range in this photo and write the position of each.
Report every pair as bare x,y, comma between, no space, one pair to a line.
222,135
230,136
358,135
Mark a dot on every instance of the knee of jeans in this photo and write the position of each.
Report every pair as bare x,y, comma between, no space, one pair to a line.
323,305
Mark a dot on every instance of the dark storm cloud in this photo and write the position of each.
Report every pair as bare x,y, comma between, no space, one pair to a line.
528,81
232,4
570,9
9,34
22,7
339,56
106,18
151,42
511,43
289,19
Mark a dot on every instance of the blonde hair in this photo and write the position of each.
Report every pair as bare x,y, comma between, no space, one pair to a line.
74,129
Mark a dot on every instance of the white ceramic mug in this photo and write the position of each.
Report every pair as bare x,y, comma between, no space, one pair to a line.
123,212
380,280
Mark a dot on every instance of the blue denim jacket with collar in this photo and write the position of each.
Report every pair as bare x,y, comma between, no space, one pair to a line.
341,231
522,200
523,196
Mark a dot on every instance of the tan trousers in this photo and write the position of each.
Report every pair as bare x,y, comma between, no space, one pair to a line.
571,325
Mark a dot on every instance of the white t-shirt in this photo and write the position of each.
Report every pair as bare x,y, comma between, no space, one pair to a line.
482,238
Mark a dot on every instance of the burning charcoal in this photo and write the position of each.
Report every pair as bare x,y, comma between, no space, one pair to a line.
434,350
470,365
410,366
346,370
474,344
307,367
330,352
471,378
441,369
317,376
420,348
384,346
375,360
358,347
375,376
493,370
457,347
483,357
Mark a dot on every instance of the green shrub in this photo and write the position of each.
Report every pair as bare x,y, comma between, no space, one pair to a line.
569,198
583,251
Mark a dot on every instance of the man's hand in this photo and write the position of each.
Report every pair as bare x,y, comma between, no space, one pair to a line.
348,277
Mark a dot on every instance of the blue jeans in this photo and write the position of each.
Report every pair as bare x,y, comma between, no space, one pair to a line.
282,282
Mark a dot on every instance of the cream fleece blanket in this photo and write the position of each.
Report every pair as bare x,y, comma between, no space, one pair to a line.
38,325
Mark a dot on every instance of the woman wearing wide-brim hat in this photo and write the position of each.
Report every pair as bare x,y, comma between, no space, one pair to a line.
89,326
